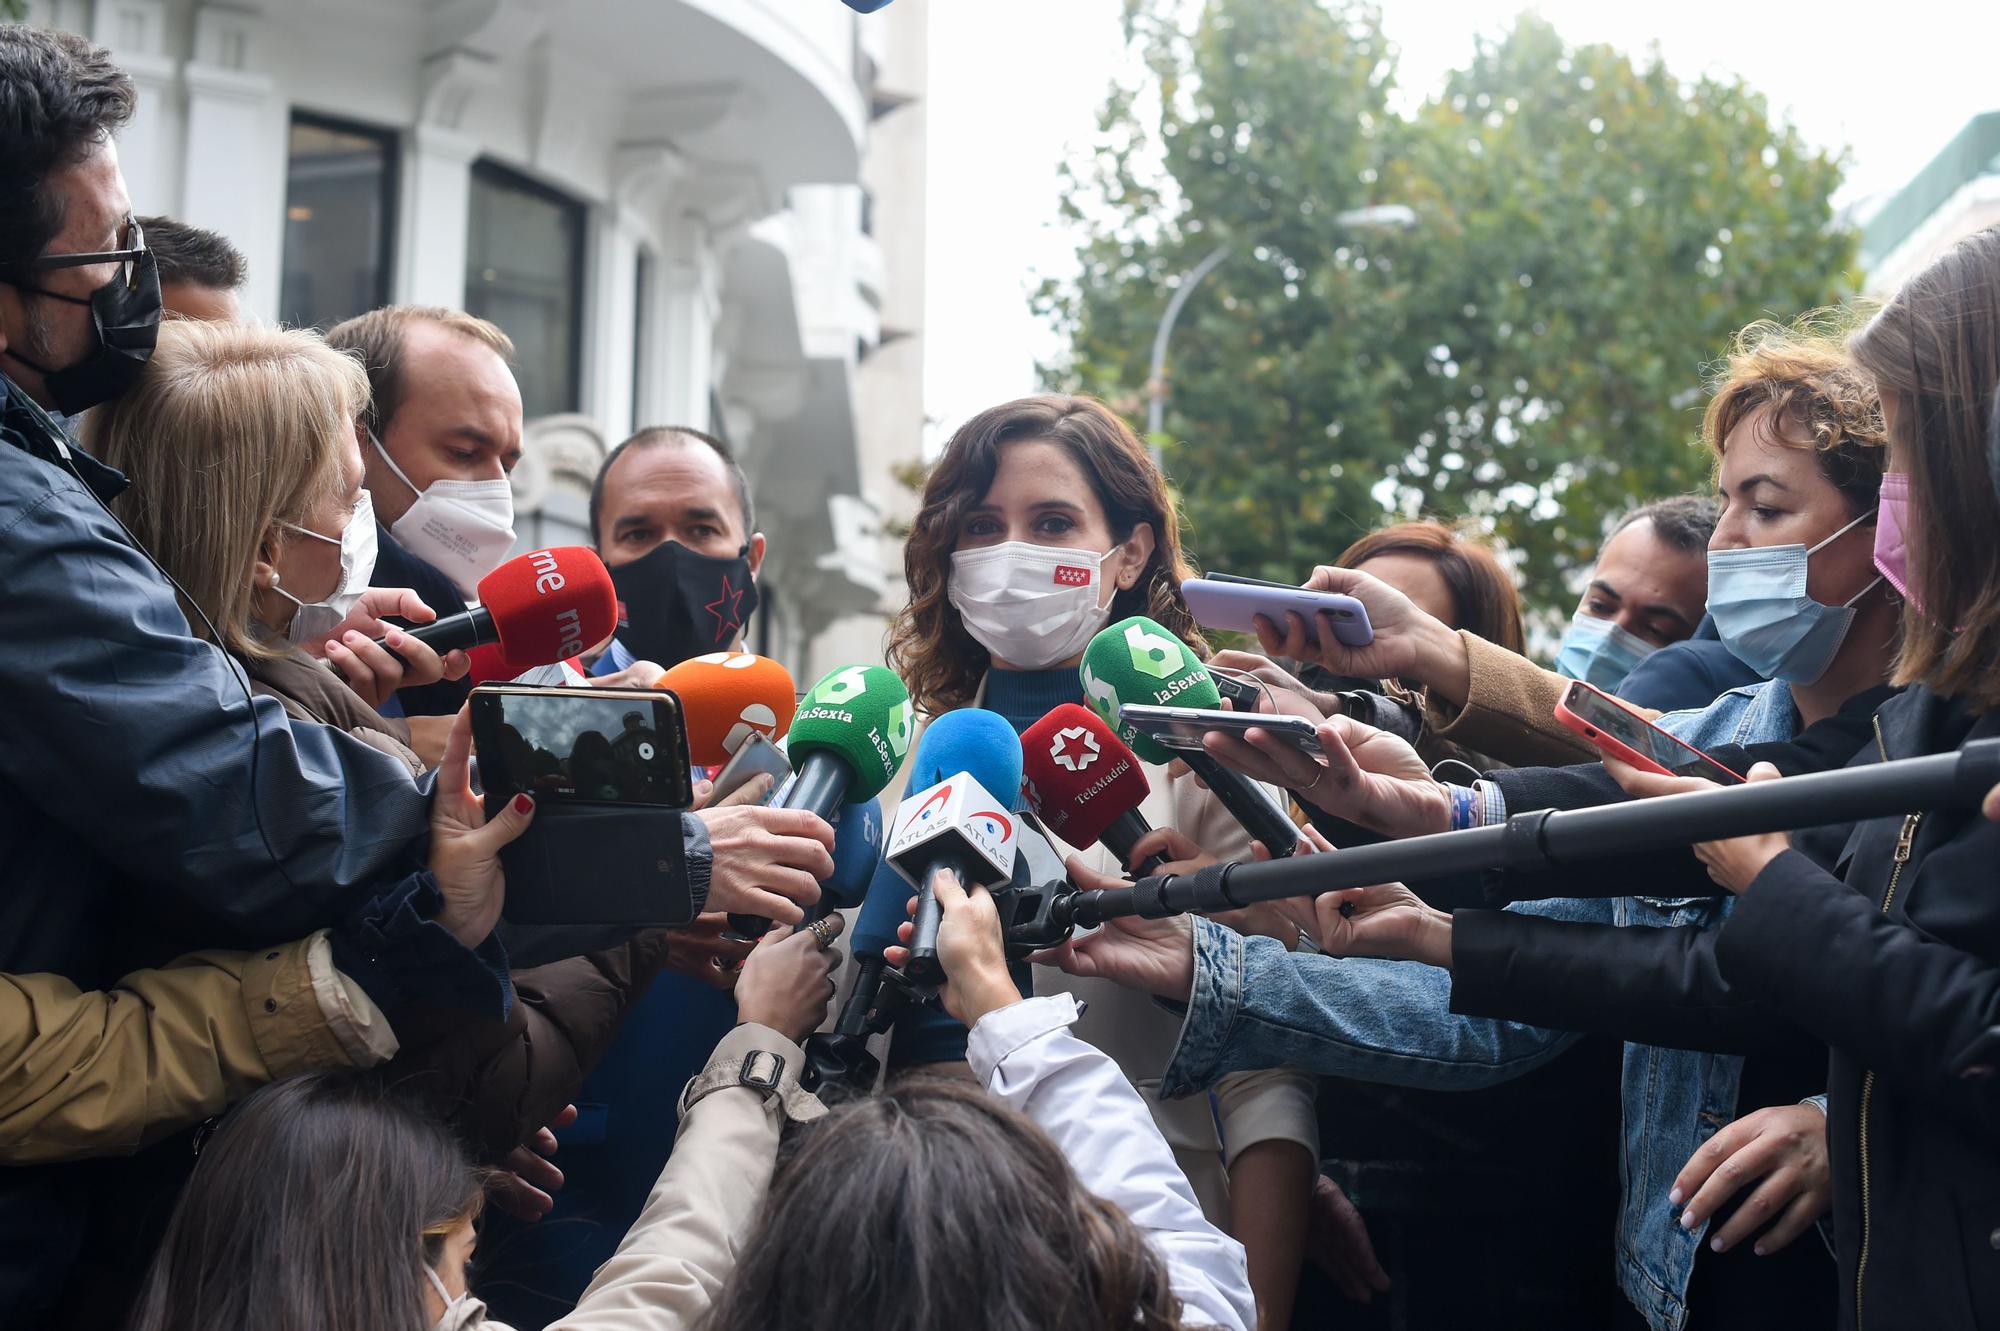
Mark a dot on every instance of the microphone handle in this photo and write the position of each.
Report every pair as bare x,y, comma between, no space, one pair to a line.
1260,815
1124,833
924,968
468,629
819,783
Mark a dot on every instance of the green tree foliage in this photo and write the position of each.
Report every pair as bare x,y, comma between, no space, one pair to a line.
1589,233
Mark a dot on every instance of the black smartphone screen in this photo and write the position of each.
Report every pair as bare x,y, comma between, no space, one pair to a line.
569,746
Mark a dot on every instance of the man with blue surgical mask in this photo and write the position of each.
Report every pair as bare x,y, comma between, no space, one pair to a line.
442,433
1646,592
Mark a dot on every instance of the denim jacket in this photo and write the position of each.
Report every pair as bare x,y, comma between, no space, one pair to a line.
1253,1004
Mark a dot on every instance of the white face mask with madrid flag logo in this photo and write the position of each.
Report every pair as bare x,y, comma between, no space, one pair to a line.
1032,606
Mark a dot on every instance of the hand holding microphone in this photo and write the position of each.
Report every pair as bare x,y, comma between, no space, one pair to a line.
972,963
959,820
768,862
847,741
376,669
539,608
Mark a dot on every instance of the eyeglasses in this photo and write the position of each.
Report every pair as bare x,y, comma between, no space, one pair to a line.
127,257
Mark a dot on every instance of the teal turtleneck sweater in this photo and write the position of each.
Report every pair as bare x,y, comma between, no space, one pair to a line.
1024,697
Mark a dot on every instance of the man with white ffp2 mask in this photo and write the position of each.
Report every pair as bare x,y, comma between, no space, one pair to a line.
441,435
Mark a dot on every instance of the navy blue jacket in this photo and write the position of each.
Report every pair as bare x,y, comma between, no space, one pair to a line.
127,828
1688,675
397,567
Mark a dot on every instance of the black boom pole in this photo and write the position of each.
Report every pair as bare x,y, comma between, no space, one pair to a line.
1529,840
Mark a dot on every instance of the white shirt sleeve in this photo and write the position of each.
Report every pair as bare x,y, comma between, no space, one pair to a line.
1025,1055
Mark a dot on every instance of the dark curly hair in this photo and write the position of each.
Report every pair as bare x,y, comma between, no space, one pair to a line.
59,98
928,644
934,1205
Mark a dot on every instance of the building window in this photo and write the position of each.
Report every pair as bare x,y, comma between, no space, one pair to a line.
524,271
340,210
643,333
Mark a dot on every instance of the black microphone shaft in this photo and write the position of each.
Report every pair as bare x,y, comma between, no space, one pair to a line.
1262,817
1548,836
1123,834
924,967
465,630
819,783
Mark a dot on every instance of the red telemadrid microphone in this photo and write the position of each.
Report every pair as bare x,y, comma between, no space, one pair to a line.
540,608
726,696
1085,784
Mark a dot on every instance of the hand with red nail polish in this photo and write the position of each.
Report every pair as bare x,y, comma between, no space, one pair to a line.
465,845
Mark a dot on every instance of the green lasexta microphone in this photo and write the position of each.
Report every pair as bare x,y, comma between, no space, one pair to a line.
1138,661
848,740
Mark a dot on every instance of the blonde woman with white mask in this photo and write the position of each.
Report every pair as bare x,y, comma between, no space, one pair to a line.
246,470
1043,521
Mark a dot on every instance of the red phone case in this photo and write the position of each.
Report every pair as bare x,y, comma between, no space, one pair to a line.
1624,752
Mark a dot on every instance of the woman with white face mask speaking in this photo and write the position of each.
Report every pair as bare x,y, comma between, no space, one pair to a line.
1043,521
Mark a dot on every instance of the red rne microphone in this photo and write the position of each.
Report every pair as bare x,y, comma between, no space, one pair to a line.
727,696
1086,784
489,665
539,608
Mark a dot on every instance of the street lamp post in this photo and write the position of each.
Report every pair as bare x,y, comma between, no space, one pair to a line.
1379,216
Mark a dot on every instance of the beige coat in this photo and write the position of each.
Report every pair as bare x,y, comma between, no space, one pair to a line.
674,1261
1510,711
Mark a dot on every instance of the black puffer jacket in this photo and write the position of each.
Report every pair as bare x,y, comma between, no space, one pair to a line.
1899,972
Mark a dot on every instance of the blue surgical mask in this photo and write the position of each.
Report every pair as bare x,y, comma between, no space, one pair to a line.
1599,653
1766,620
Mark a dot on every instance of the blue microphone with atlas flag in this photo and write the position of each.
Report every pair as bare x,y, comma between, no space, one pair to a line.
965,779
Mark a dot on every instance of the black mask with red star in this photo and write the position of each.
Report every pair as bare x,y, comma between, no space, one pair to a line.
674,604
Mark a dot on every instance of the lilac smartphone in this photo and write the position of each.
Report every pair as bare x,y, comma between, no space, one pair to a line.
1225,602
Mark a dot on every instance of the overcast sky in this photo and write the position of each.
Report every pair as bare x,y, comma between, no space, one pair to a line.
1015,86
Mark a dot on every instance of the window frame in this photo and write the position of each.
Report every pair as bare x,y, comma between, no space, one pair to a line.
390,140
495,172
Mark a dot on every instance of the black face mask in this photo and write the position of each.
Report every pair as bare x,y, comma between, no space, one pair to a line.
674,604
125,316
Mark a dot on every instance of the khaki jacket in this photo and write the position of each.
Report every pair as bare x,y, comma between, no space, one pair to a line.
106,1072
1510,711
676,1258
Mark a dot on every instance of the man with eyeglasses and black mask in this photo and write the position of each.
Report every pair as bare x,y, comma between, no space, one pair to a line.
147,805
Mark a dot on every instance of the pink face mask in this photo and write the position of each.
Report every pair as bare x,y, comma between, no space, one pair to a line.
1891,555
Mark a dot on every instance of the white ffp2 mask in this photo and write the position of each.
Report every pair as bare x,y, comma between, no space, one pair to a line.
464,529
1030,605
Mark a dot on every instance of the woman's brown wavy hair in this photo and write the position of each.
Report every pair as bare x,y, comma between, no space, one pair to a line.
1935,351
933,1205
1482,590
928,644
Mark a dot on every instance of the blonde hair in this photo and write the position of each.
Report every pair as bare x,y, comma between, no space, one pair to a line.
231,430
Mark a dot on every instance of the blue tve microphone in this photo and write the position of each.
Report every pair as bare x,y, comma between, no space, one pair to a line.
958,818
857,854
867,6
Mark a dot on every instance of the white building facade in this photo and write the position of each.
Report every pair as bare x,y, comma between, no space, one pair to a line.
684,212
1956,194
